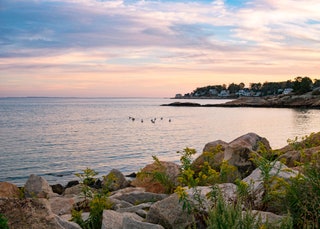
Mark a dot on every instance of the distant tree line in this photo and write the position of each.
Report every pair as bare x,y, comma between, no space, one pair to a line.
300,85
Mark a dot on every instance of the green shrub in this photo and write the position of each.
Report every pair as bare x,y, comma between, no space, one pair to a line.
303,195
225,215
3,222
98,201
86,180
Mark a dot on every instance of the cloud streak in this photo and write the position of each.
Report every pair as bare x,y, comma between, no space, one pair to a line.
155,41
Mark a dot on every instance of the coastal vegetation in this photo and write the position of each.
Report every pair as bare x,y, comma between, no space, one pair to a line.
298,198
3,222
242,184
299,85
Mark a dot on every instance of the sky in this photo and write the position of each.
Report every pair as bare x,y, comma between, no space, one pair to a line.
153,48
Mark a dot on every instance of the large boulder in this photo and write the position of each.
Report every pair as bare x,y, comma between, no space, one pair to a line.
237,153
32,213
169,213
73,191
300,152
292,157
115,180
278,173
267,217
37,186
114,220
61,205
9,190
145,178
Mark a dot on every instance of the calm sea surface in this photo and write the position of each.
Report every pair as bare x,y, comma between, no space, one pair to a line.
57,137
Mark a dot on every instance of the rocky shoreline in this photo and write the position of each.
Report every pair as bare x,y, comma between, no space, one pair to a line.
281,101
145,202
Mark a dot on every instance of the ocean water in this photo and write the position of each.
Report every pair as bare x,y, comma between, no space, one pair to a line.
57,137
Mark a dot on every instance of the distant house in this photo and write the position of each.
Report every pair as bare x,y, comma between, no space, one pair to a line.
244,92
287,91
213,92
224,93
178,96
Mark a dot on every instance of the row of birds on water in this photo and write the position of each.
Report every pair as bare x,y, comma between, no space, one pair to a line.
152,120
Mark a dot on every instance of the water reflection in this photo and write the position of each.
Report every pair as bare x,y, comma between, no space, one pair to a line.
304,120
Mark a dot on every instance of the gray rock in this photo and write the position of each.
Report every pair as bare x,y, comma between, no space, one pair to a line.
267,217
131,223
228,191
115,180
140,197
255,180
138,209
169,213
118,204
73,191
61,205
65,224
114,220
200,192
37,186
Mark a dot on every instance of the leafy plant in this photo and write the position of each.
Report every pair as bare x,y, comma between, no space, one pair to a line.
98,201
223,215
230,215
158,175
162,177
86,180
3,222
303,195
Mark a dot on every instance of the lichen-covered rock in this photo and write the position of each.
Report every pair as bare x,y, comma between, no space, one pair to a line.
145,178
9,190
115,180
37,186
237,153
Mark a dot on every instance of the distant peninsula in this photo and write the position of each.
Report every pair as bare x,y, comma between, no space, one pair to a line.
281,101
299,86
300,93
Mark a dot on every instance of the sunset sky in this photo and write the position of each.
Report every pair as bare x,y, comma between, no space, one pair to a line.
153,48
